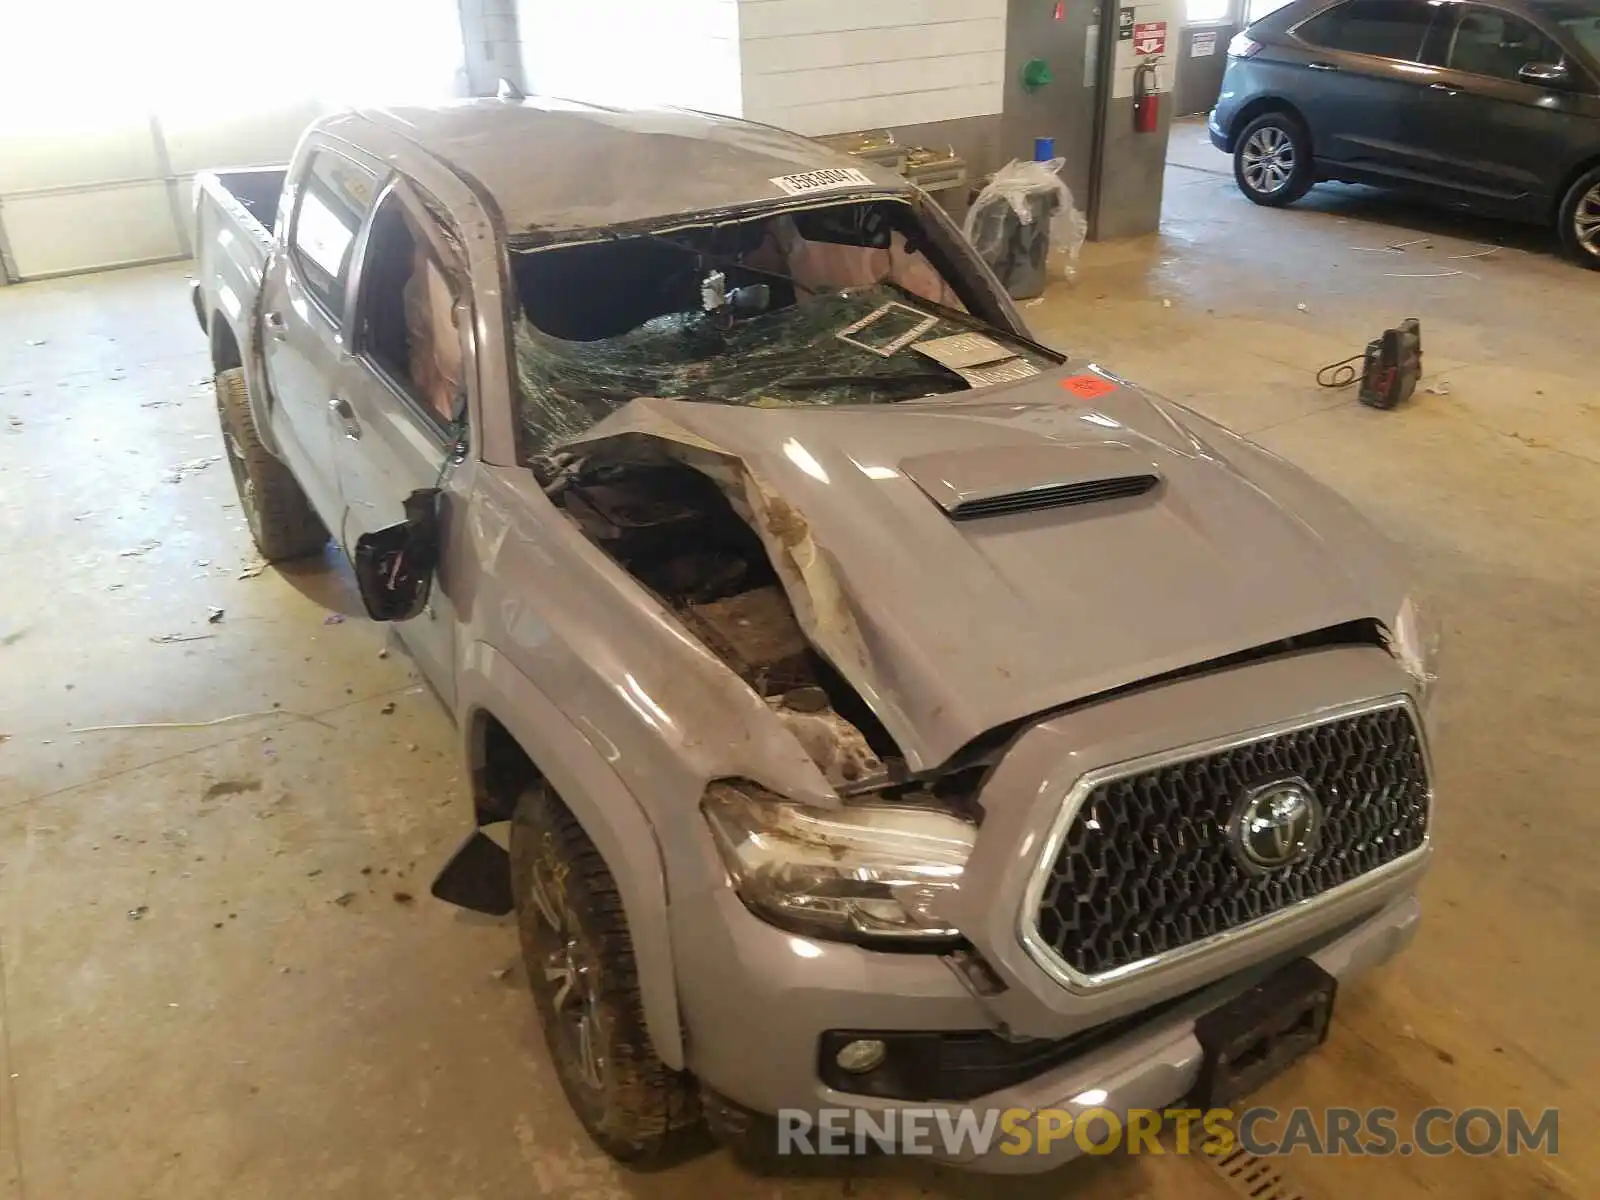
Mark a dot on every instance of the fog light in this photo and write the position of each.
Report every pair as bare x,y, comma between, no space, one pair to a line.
859,1057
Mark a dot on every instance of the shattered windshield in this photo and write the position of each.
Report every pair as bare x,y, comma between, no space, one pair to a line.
819,309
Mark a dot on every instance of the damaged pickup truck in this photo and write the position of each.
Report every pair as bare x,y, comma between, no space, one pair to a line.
885,709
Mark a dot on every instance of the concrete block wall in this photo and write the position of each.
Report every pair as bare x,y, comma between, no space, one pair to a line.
833,66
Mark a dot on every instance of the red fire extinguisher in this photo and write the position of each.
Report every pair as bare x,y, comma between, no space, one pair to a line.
1146,100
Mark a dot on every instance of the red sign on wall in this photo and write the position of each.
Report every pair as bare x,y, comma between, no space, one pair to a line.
1150,37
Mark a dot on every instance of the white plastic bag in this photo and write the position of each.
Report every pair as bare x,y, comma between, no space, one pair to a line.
1028,188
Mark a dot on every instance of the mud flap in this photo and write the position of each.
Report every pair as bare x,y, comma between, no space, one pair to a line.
477,877
1259,1034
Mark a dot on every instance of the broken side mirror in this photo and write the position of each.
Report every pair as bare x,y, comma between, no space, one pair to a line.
394,566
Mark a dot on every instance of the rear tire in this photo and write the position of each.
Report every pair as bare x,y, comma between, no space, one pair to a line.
578,953
1580,220
1272,161
281,519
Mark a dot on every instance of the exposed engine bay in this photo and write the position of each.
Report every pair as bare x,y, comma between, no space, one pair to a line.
676,532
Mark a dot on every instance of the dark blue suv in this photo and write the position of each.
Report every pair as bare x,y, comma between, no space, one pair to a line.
1490,106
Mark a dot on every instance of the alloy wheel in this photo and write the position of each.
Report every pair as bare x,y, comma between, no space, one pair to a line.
1267,160
573,967
1586,221
242,481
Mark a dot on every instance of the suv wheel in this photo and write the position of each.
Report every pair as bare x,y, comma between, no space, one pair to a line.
1272,160
578,954
280,517
1580,220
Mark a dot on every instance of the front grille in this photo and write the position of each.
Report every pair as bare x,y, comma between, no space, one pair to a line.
1148,866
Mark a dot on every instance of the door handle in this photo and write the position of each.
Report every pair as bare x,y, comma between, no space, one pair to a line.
347,417
1445,88
276,326
1322,66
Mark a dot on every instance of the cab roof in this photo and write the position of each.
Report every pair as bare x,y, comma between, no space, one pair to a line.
555,167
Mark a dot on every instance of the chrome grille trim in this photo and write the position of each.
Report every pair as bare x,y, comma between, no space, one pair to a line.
1063,973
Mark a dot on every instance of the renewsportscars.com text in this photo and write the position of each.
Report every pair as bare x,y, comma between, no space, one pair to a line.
1262,1131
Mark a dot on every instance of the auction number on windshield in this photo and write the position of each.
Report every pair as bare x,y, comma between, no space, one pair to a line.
822,181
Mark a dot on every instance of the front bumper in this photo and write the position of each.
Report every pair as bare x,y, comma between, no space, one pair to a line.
1152,1068
755,1044
756,1000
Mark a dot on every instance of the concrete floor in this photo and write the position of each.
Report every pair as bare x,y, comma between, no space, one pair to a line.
214,984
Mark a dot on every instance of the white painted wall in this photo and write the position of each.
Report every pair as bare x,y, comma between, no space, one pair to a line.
629,52
833,66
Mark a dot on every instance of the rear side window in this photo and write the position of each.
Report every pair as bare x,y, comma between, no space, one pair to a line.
1487,41
1383,28
335,195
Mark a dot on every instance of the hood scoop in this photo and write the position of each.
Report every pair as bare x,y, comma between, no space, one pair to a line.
1003,480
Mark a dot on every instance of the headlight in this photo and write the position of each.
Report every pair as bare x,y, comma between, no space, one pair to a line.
864,872
1414,641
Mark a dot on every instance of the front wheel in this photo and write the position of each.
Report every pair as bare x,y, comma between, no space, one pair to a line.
1580,220
1272,160
578,953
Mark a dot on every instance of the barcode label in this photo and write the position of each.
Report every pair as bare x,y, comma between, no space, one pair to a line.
822,181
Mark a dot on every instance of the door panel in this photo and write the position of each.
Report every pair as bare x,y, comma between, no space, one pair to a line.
1489,134
394,419
304,353
303,303
1357,77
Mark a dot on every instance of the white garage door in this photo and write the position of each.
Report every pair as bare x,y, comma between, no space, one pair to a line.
107,108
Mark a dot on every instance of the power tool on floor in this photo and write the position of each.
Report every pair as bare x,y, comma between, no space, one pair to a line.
1390,368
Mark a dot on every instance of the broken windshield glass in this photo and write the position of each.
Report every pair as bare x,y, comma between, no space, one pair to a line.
795,356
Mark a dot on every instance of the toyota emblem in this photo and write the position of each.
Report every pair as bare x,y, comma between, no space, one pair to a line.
1276,825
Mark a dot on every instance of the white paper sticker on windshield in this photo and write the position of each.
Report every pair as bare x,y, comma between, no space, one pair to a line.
822,181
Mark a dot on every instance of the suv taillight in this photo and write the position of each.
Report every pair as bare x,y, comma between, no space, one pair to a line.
1243,46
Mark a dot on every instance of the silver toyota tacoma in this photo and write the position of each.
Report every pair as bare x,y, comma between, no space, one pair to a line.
887,710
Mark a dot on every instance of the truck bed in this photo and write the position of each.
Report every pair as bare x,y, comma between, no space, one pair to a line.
234,212
256,190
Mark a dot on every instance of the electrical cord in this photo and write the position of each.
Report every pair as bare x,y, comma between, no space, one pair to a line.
1340,374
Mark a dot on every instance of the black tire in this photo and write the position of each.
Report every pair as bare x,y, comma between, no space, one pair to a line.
1580,220
579,957
281,519
1272,161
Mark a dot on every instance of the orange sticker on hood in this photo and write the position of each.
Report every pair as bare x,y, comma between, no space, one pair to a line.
1087,387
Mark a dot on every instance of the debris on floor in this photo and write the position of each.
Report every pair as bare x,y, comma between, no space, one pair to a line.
403,898
137,913
141,549
1442,388
387,709
166,638
231,787
344,899
183,470
216,616
333,619
252,569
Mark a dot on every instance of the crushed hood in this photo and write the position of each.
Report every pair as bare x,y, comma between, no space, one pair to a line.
951,627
